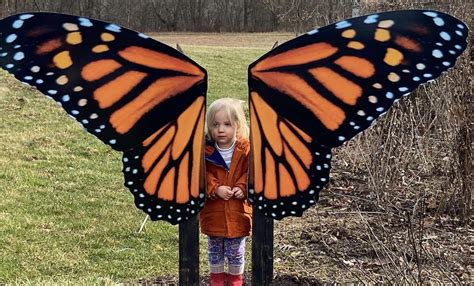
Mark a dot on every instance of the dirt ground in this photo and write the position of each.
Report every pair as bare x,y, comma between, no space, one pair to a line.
350,236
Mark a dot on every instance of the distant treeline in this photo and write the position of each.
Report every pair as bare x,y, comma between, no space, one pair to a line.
196,15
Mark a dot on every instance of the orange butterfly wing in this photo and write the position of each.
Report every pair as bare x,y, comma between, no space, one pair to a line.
321,89
135,94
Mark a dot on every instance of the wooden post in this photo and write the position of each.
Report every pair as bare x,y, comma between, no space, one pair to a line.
262,249
189,252
262,241
189,244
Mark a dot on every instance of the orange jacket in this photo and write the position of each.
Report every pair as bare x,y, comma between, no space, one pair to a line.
231,218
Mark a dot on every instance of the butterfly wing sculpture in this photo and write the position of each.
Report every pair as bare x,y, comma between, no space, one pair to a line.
307,96
321,89
135,94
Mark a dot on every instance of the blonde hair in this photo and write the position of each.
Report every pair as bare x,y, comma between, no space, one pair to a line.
235,112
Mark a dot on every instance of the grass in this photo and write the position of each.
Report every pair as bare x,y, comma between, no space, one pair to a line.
65,215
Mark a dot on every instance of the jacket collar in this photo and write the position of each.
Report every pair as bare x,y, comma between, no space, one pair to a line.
213,156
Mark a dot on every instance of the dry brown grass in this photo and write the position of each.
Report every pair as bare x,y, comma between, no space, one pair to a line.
399,206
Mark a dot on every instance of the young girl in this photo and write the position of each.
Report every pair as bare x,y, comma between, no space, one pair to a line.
227,216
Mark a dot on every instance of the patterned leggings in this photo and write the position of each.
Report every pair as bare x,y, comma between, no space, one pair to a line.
218,248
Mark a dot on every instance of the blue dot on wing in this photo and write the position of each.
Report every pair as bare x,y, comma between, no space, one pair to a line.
26,16
11,38
438,21
19,56
113,28
445,36
371,19
431,14
437,53
18,24
85,22
343,24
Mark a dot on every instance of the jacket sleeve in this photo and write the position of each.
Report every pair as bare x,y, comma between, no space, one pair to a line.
243,178
242,183
212,183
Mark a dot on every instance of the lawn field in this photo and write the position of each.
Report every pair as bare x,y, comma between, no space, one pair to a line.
65,215
392,213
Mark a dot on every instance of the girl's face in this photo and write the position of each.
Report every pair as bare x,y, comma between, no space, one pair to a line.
223,131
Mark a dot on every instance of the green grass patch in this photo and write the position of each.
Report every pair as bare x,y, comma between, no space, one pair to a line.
65,216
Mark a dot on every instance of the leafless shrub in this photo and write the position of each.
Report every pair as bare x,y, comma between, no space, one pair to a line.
399,207
425,141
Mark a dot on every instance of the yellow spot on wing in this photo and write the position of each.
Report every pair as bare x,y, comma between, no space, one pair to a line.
100,48
74,38
393,57
107,37
382,35
356,45
349,33
62,60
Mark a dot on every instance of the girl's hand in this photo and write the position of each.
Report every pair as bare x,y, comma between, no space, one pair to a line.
224,192
238,193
